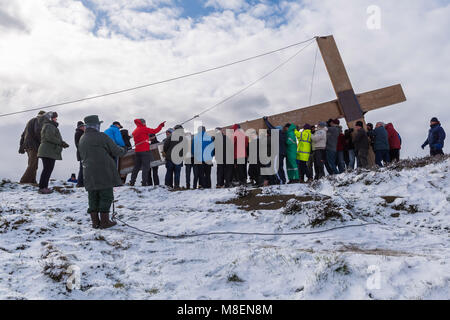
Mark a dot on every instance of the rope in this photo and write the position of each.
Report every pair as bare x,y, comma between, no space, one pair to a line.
313,74
194,235
158,82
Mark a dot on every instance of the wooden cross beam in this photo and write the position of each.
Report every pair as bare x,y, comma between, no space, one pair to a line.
349,105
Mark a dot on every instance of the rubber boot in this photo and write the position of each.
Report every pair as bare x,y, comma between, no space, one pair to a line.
105,223
95,220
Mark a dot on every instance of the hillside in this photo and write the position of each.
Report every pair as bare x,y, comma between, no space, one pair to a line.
397,248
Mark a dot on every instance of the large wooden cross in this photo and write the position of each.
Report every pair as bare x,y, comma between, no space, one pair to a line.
348,105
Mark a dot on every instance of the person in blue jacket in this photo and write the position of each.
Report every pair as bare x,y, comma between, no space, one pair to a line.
203,150
114,133
436,137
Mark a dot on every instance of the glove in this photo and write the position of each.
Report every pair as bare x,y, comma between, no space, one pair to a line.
162,124
65,145
423,146
21,150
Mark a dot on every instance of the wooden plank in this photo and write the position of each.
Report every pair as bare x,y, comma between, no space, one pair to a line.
381,98
334,64
322,112
312,115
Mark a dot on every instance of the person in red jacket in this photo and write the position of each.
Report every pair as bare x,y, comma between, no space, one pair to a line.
394,142
142,150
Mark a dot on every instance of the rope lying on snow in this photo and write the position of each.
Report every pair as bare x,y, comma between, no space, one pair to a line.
183,236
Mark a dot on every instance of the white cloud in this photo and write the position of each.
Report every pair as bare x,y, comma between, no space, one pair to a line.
227,4
60,58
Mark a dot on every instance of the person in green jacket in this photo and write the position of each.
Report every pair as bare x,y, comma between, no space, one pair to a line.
291,154
97,153
50,149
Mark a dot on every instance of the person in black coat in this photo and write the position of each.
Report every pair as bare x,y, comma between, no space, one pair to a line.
126,138
79,131
153,177
281,176
29,143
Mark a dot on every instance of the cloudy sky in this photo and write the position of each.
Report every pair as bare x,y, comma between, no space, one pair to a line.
57,50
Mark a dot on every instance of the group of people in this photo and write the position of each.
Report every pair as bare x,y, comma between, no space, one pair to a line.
308,152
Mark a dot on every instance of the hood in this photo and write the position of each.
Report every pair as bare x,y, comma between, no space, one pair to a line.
138,122
292,127
389,126
435,125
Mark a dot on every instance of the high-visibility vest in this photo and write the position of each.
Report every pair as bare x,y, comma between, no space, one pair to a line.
304,145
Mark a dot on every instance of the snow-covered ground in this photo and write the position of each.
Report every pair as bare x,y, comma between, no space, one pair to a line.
47,240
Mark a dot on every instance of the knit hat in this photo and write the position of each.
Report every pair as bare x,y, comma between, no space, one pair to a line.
359,124
90,120
80,124
41,113
307,126
434,119
170,130
322,124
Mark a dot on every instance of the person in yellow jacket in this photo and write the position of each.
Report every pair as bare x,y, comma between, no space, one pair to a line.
304,149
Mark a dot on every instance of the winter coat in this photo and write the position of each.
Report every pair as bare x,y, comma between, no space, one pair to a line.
349,140
436,137
140,135
126,138
51,141
282,137
78,134
319,139
304,144
381,141
97,151
31,136
332,138
114,133
341,142
361,140
240,143
393,137
202,147
168,146
291,142
223,156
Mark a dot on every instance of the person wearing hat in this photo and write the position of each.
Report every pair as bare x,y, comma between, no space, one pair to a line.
97,152
79,131
304,152
174,161
142,149
50,149
436,137
114,133
29,144
319,143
